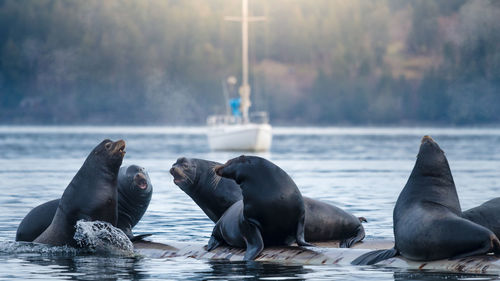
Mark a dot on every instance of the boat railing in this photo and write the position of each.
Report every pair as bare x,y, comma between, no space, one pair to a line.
255,117
218,120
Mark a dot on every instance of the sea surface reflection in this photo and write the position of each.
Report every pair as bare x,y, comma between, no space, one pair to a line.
359,169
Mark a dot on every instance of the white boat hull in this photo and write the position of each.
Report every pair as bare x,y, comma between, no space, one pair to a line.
240,137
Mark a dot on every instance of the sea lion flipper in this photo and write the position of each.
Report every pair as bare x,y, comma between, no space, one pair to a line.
374,257
347,243
360,235
300,233
476,252
213,243
128,232
493,245
253,239
140,237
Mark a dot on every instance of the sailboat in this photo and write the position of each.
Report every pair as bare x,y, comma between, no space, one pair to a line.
240,131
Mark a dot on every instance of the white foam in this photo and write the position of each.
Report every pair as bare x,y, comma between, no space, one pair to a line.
102,237
11,247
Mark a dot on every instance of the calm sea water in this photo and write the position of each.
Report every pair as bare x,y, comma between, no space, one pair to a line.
359,169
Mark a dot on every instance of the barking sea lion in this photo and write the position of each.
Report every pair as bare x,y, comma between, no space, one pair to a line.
91,194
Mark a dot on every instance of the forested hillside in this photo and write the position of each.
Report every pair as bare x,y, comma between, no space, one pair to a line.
319,62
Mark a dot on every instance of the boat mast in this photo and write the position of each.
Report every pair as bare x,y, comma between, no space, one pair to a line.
244,89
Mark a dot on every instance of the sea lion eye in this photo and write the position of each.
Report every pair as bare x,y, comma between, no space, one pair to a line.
108,146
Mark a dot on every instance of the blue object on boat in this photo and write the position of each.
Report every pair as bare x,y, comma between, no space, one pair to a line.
235,106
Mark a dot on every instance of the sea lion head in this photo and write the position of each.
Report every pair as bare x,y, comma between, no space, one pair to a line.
134,180
184,173
237,168
110,153
431,159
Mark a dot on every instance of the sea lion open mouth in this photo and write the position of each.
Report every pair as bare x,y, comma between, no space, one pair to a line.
140,181
119,147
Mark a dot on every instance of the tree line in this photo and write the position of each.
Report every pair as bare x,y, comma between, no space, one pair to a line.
322,62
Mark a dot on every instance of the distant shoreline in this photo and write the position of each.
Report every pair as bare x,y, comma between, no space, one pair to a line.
277,130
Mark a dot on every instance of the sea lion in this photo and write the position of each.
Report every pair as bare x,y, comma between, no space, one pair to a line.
427,222
215,194
91,194
486,214
134,194
271,213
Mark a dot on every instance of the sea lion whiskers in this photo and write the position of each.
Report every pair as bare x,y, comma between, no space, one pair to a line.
181,173
215,179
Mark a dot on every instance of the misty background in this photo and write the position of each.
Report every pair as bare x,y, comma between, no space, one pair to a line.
321,62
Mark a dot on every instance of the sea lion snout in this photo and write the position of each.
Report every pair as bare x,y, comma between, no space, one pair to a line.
427,138
178,174
117,147
175,172
218,170
184,171
141,181
429,145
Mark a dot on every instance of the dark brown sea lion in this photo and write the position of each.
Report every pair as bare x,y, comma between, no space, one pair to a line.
271,213
91,194
215,194
134,194
427,216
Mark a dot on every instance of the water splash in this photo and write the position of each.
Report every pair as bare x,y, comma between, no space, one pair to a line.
12,247
102,237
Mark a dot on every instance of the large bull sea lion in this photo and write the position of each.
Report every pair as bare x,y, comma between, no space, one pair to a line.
270,214
91,194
